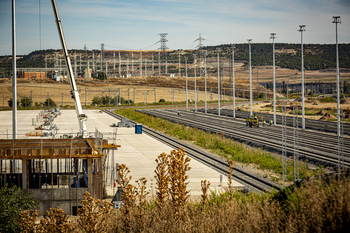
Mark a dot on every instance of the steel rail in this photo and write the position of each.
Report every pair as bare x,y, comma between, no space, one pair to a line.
251,181
322,126
319,155
308,138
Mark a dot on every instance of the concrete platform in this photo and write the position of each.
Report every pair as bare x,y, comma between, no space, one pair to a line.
138,151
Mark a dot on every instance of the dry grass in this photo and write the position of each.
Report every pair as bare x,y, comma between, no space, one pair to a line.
318,205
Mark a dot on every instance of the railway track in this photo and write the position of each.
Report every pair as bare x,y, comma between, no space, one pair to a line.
250,181
317,147
323,126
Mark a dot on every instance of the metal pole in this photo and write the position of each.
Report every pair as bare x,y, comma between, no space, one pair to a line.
155,95
186,85
172,96
85,96
134,96
195,83
205,80
273,37
302,77
296,143
336,21
158,63
250,78
14,73
31,99
233,82
62,98
218,50
129,96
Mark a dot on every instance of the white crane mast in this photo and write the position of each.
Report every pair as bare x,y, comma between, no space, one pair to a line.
74,91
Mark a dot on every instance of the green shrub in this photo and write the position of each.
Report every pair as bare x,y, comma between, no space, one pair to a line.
12,202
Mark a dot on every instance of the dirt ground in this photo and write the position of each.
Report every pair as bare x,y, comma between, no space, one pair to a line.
59,92
309,104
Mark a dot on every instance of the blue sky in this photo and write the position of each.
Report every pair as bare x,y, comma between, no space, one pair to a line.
136,24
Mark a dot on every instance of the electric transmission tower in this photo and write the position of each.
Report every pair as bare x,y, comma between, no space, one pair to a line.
163,46
200,58
200,40
102,49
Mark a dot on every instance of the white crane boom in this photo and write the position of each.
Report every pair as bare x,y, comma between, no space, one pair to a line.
74,92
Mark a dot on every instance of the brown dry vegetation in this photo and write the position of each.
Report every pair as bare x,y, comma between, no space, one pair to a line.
41,88
318,205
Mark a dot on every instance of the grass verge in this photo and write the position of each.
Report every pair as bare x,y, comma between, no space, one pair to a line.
224,147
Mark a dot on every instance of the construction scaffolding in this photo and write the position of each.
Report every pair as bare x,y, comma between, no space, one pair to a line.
57,171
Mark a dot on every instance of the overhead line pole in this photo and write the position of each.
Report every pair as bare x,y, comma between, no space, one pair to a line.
205,79
336,21
195,83
218,50
186,85
301,29
250,78
233,82
273,37
14,73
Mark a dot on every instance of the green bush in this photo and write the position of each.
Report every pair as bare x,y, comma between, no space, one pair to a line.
26,102
329,99
10,102
49,103
102,76
97,100
12,202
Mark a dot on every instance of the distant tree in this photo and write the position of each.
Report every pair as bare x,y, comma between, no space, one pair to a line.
10,102
96,100
49,103
26,101
102,76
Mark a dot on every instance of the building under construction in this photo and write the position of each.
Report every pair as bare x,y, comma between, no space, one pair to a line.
57,171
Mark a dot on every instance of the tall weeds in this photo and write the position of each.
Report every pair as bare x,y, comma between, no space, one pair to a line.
230,179
93,214
162,178
178,166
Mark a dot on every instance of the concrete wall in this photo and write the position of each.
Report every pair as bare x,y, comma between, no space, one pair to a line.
65,198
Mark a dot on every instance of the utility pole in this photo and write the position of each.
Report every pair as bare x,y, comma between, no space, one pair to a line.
93,61
120,69
140,63
336,20
152,65
195,83
102,48
45,66
218,52
205,80
113,62
179,67
186,85
250,77
132,63
301,30
14,73
273,37
233,82
158,63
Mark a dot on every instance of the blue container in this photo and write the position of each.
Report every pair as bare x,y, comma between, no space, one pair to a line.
138,128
